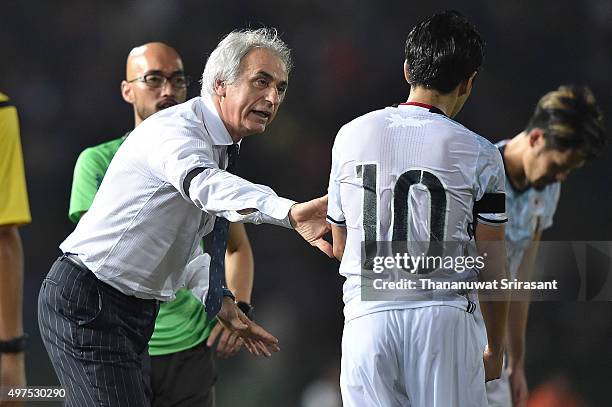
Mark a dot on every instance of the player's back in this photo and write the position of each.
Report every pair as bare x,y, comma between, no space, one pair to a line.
407,173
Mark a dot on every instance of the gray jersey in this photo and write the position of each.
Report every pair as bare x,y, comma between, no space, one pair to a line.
407,173
528,211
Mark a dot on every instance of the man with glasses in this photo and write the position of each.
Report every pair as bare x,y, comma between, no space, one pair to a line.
155,80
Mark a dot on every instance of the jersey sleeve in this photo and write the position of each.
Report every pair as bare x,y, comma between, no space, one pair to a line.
89,171
490,199
335,214
551,205
14,205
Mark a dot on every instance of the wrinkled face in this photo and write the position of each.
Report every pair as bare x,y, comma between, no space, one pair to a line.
250,103
154,64
546,166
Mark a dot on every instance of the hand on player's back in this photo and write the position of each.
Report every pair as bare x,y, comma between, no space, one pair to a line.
309,220
256,339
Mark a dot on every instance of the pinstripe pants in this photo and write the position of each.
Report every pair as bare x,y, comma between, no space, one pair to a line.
96,338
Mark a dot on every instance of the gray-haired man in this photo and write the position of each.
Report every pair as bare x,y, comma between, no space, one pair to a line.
166,187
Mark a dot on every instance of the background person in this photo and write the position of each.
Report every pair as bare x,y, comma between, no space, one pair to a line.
14,212
565,130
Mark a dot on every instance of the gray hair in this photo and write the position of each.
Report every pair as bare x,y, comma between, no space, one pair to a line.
223,64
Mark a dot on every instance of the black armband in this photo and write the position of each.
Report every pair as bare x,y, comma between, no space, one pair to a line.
14,345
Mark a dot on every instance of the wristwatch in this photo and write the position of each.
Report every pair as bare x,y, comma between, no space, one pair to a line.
246,308
14,345
228,293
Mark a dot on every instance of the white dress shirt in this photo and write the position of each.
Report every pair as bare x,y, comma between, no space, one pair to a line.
143,229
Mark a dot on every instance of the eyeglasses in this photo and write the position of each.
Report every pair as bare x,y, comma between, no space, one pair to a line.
156,80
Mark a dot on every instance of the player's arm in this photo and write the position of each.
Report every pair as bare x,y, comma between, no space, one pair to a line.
339,237
490,240
11,276
12,365
517,325
335,211
239,268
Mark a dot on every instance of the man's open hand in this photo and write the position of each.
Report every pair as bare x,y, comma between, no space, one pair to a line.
256,339
228,344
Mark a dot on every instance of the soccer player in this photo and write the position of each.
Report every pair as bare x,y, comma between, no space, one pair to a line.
183,335
411,173
14,211
169,184
565,130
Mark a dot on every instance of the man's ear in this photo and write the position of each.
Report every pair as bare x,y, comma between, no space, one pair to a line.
466,85
406,74
126,92
536,138
220,88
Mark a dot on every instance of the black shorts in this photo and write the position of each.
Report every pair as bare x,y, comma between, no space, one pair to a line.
184,379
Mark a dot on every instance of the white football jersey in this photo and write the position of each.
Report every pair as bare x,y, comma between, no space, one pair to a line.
408,173
528,211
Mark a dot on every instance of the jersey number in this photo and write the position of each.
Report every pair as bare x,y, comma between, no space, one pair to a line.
401,218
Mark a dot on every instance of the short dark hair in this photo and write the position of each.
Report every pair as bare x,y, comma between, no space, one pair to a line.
442,51
570,119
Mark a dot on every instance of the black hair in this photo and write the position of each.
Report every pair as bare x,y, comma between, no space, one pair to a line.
442,51
570,119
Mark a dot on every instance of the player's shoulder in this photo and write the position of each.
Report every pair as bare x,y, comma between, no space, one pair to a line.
103,151
6,104
552,192
376,117
486,148
361,124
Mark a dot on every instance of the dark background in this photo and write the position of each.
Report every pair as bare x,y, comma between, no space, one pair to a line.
62,63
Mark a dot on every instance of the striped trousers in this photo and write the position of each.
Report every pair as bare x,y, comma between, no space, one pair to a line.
96,338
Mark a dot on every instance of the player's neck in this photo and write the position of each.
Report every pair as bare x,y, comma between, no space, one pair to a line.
446,103
513,161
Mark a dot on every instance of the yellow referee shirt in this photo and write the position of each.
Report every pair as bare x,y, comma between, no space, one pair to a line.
14,207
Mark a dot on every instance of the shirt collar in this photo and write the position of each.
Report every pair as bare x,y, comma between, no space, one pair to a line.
432,109
216,129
